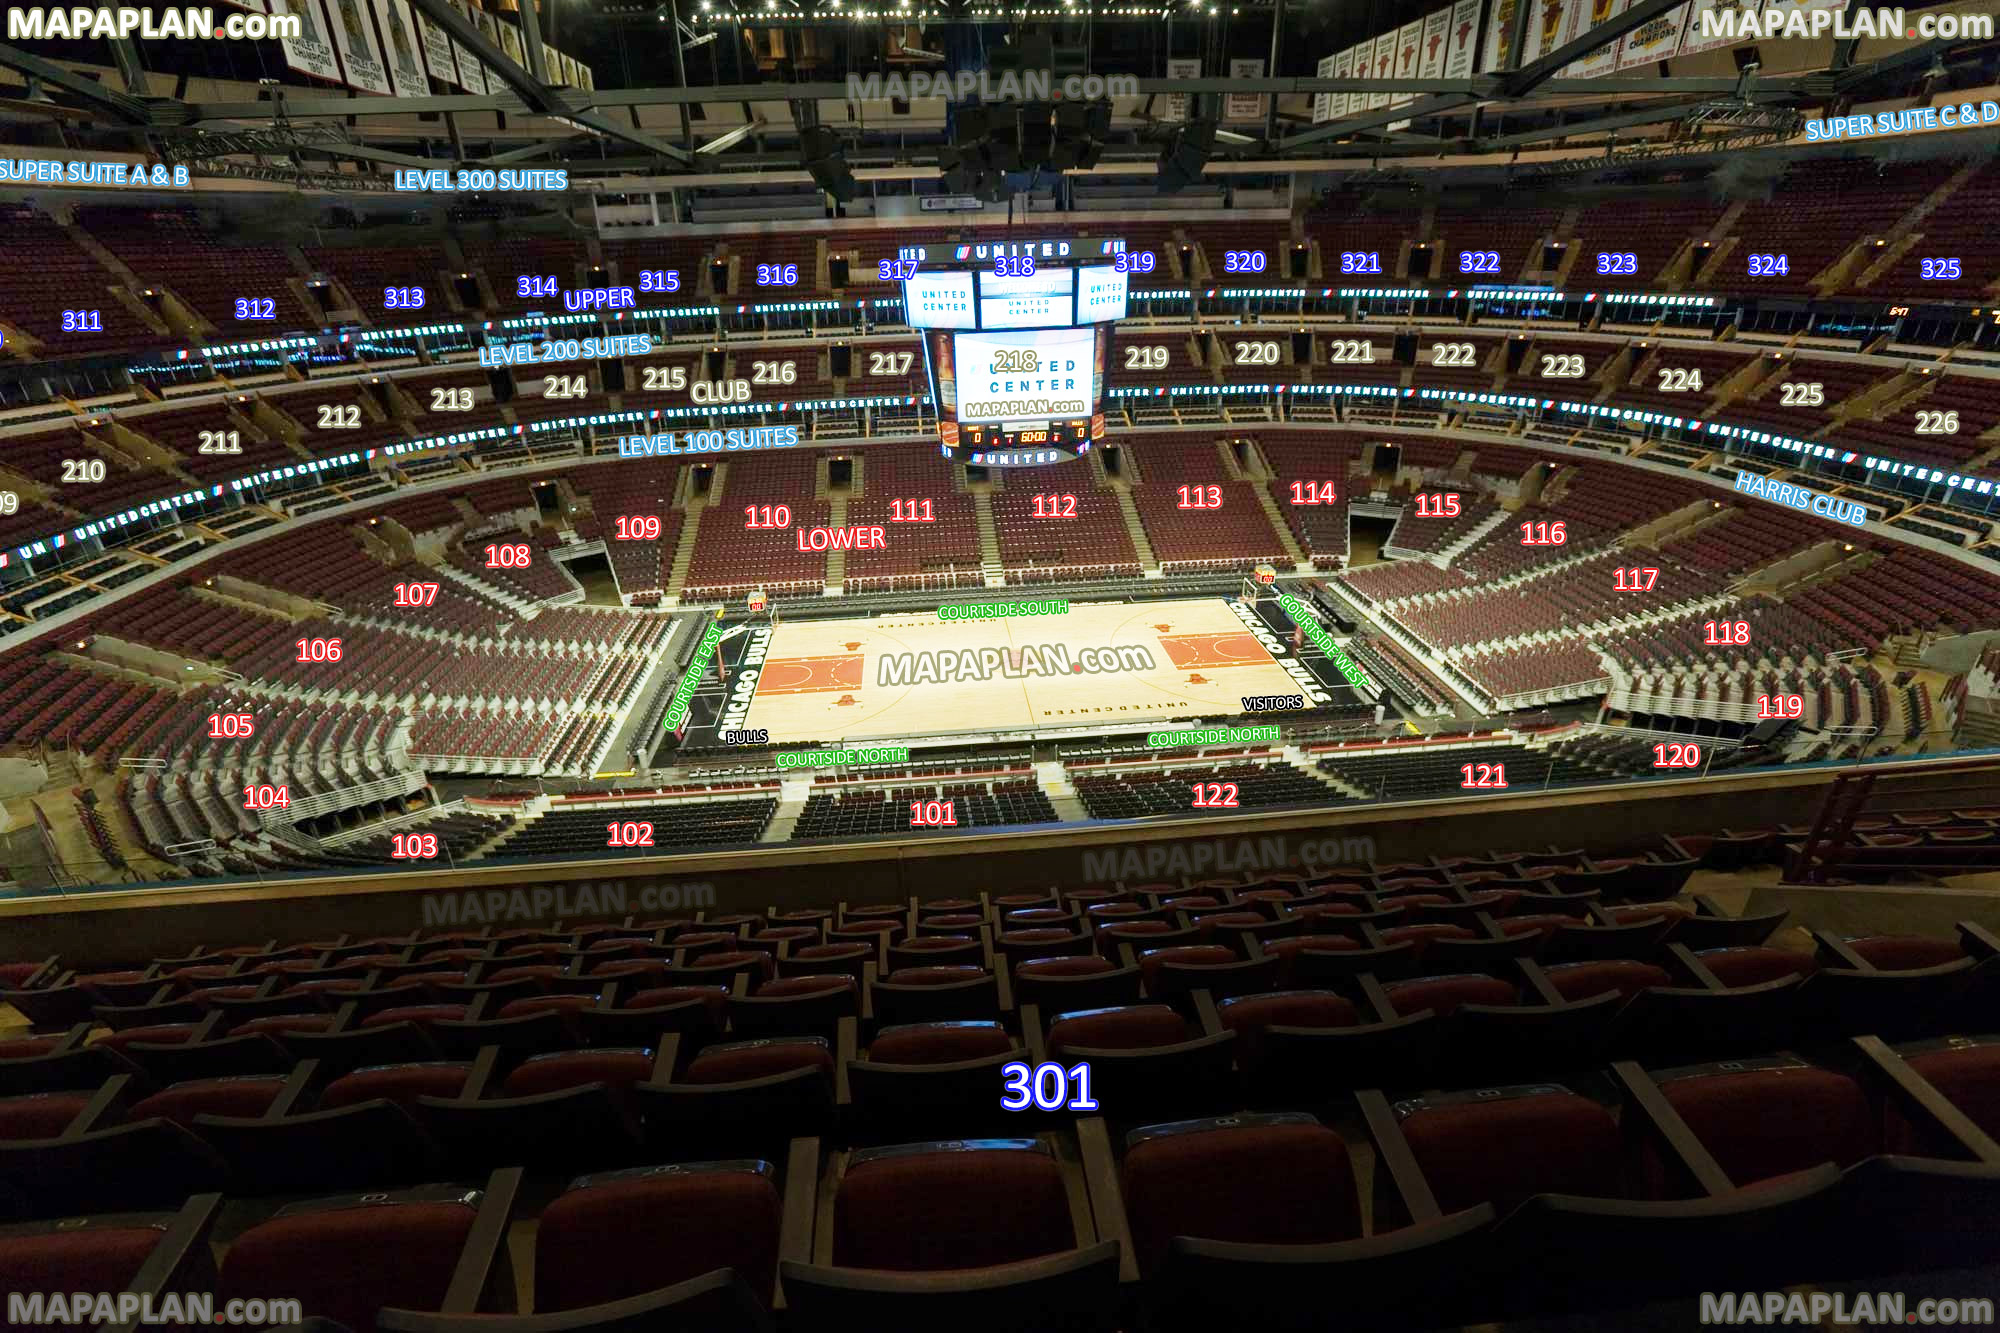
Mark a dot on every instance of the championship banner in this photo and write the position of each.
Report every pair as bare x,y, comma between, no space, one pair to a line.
437,52
311,52
1550,24
1498,55
1461,40
1604,59
354,35
1653,41
1692,42
471,73
510,40
398,27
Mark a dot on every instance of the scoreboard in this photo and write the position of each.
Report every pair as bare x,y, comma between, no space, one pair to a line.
1016,337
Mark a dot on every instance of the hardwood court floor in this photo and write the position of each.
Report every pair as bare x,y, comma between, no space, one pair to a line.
821,680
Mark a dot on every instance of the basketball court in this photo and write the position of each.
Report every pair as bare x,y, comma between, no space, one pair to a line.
828,678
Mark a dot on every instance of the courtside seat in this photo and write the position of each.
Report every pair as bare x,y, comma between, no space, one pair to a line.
344,1258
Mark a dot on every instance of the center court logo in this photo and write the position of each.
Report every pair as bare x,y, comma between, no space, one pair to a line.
1035,659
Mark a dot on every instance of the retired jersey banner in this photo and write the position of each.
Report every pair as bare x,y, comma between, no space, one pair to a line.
1323,102
1380,64
1181,67
1244,106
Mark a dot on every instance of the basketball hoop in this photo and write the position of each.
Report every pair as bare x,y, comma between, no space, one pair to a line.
756,601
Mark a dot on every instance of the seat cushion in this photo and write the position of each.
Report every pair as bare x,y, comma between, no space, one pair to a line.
182,1102
1899,953
739,1062
936,974
627,1233
347,1263
401,1084
826,984
1445,995
965,1208
91,1257
1580,981
712,998
1261,1183
41,1115
1771,1122
555,1071
1969,1078
1506,1149
1126,1028
1081,965
938,1043
1184,955
1756,964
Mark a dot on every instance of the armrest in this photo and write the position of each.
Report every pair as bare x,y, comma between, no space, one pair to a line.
1918,1099
1643,1102
795,1225
180,1261
1418,1201
484,1278
846,1042
1107,1199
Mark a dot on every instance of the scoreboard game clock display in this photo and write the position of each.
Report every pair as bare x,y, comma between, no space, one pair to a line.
1016,339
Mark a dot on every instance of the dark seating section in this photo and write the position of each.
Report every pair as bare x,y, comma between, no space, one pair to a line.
578,832
710,1120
